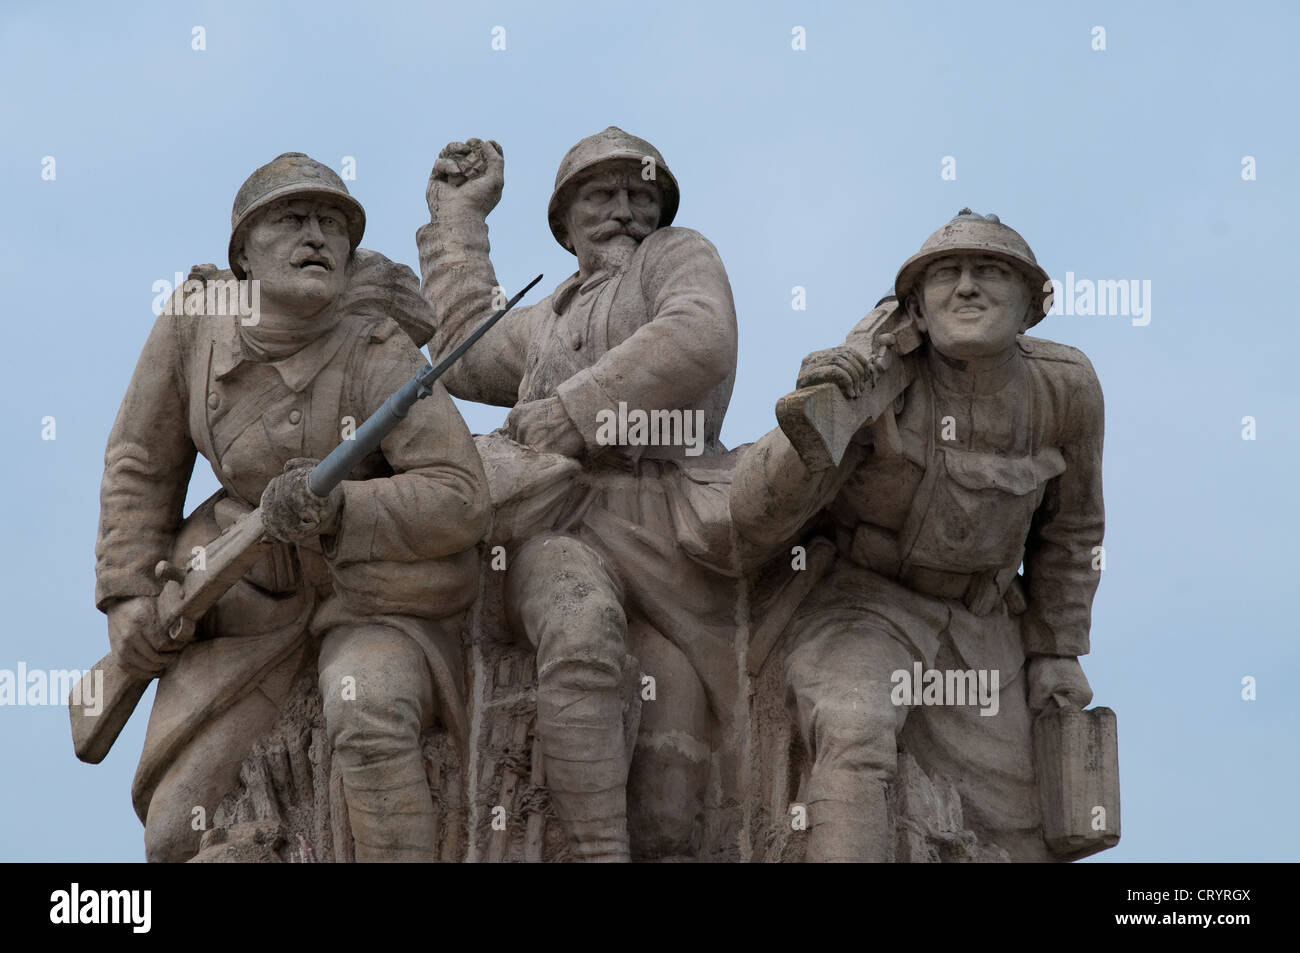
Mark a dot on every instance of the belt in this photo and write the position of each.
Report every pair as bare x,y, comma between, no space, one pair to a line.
877,550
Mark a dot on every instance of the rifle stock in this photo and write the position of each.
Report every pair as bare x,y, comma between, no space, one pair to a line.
820,421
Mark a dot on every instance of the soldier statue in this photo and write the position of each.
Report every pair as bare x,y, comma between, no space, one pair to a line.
984,457
368,583
630,564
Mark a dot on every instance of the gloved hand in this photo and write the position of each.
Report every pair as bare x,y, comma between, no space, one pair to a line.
544,426
291,512
137,638
1051,675
841,366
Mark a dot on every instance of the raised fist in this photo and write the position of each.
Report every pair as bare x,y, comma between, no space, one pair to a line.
467,175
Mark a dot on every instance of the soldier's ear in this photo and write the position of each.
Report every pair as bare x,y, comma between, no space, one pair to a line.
1028,319
913,306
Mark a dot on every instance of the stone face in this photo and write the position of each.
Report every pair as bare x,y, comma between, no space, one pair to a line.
597,634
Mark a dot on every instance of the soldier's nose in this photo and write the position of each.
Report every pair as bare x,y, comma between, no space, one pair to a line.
622,208
312,233
966,285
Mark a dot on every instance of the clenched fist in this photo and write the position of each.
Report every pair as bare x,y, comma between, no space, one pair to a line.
1050,675
291,512
467,176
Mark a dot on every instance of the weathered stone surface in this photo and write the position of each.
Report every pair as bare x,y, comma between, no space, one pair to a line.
654,649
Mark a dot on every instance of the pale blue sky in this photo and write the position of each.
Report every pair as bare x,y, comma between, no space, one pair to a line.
818,168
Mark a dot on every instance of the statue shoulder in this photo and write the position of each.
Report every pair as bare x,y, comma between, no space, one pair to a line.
676,240
1065,369
1073,361
682,257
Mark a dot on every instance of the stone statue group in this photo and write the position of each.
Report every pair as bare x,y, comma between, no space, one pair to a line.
924,522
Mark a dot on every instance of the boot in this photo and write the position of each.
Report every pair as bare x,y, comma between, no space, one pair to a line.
391,811
848,822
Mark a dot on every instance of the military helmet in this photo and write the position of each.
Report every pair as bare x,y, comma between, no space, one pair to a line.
985,234
291,174
611,145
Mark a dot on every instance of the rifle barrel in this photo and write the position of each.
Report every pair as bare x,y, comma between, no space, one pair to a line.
334,469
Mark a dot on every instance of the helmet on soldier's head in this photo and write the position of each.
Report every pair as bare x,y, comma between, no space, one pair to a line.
985,234
610,146
290,174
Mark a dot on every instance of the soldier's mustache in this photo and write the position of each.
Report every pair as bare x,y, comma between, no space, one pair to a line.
608,230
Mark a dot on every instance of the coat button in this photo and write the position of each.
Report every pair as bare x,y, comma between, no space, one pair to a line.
295,416
577,344
214,400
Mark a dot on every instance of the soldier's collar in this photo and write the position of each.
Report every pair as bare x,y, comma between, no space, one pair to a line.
952,376
571,286
297,371
226,352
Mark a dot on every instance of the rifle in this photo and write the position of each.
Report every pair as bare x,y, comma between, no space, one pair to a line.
187,594
820,421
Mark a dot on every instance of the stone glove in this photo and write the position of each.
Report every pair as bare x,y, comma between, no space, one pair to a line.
1051,675
544,426
291,512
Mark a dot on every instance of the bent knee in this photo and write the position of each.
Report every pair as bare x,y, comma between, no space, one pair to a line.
169,834
856,730
376,690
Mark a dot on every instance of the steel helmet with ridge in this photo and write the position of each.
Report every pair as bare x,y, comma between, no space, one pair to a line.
612,145
291,175
983,234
